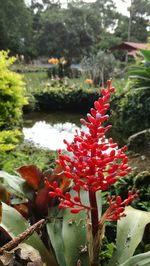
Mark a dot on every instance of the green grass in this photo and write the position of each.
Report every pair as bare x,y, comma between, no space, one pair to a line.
35,81
38,81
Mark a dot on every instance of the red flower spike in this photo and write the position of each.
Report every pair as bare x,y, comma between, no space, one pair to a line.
95,164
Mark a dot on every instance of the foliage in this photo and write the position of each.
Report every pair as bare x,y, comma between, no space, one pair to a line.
129,235
99,67
13,223
134,106
9,139
81,27
25,154
16,33
139,73
58,95
75,27
38,81
11,94
48,94
91,166
94,167
140,11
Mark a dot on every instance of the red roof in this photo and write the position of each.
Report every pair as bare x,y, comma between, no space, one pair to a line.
129,46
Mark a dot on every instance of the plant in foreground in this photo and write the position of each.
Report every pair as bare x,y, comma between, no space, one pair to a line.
93,164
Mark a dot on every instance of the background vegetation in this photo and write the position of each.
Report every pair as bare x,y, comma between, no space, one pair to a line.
82,28
80,33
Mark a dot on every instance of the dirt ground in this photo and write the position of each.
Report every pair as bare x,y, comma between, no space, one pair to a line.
140,161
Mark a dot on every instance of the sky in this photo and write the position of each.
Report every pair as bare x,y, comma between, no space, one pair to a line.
121,5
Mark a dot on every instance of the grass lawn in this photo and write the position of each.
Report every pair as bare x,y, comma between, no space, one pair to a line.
36,81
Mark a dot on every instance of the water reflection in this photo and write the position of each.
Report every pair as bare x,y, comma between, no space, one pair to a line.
49,131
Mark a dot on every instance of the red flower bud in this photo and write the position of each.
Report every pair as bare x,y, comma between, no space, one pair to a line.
52,194
76,199
75,210
58,191
118,200
104,92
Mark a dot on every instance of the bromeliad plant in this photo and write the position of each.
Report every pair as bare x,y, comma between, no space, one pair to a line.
71,200
93,163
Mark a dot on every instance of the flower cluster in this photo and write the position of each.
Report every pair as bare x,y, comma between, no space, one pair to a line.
117,206
53,61
94,162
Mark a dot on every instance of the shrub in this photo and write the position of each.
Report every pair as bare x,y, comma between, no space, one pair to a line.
133,106
8,139
25,154
11,94
134,112
60,96
99,67
139,73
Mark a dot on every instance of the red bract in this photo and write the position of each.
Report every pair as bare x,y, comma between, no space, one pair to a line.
94,162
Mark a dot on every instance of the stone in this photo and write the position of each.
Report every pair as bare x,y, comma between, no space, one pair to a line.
140,141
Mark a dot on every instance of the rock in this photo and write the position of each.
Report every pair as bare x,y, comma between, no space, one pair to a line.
140,141
143,178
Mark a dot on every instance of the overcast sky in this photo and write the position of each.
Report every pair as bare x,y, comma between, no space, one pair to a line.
121,5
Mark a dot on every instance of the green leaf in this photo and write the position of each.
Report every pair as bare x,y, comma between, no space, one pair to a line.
54,229
68,233
74,237
14,224
130,231
146,54
0,212
15,185
138,260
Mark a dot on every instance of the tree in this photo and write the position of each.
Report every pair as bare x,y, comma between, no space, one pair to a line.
74,31
15,26
134,28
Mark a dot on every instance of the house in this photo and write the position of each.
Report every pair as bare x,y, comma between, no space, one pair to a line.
132,48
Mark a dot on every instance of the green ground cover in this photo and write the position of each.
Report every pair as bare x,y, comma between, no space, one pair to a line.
37,81
26,154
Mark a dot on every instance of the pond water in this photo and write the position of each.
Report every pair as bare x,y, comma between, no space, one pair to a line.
49,130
